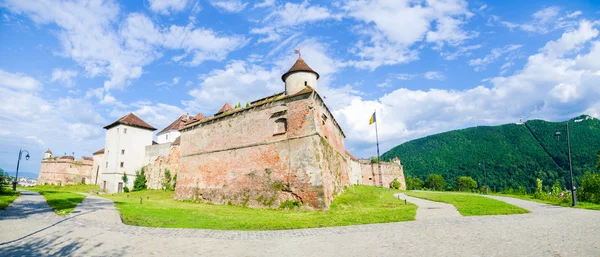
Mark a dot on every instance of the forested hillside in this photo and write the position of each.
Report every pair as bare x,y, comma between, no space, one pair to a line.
513,155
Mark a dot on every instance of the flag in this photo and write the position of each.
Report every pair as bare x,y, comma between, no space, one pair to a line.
372,120
297,51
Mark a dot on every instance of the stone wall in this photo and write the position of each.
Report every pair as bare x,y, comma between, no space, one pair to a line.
245,158
389,171
61,171
163,157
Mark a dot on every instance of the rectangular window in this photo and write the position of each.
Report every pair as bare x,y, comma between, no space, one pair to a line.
123,151
324,117
124,131
106,165
122,164
166,137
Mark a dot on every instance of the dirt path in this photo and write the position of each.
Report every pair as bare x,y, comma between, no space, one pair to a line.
429,209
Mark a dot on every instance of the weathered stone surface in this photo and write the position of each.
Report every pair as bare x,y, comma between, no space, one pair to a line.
65,171
288,149
163,157
389,172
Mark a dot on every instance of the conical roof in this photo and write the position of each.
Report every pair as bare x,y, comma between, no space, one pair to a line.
225,108
48,151
131,120
176,125
300,65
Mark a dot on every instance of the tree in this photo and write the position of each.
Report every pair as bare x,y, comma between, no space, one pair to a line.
125,180
465,183
140,180
167,180
435,182
598,162
4,180
247,105
590,188
413,183
396,184
374,159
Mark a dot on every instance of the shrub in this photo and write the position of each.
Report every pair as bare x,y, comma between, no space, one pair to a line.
126,189
435,182
374,159
413,183
396,184
174,181
590,188
290,204
140,180
465,183
521,190
166,183
539,192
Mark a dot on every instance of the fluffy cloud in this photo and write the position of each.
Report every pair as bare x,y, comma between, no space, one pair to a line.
93,36
232,6
18,81
167,6
434,75
496,53
66,77
392,28
543,21
406,114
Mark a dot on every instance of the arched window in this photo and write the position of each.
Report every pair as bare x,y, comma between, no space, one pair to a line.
280,126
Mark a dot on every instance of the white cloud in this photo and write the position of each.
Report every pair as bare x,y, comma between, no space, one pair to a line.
66,77
392,28
18,81
461,51
173,82
496,53
574,14
93,35
167,6
543,21
232,6
571,90
434,75
265,3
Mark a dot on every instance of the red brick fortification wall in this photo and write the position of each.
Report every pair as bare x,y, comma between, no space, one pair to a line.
242,159
65,172
389,172
155,171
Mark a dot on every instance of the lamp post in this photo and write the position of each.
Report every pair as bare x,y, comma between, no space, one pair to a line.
557,135
18,162
485,177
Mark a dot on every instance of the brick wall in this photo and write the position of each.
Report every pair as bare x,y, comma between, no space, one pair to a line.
65,171
389,171
161,160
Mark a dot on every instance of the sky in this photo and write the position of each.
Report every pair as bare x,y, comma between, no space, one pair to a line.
69,68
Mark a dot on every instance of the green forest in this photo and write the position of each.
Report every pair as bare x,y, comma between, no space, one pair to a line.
512,155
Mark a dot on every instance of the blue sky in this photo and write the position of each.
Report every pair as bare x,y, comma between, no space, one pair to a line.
68,68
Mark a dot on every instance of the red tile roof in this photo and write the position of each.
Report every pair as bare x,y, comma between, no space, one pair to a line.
300,65
101,151
67,157
48,151
177,124
87,158
199,116
225,108
131,120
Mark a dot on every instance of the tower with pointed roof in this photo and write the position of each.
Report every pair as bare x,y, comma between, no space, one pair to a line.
124,150
48,154
299,76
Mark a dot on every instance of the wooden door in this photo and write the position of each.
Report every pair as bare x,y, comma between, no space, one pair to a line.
104,186
120,190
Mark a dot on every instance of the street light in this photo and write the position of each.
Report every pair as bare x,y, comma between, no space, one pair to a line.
557,135
485,176
18,162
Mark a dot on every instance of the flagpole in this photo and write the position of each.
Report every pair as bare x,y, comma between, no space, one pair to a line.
378,157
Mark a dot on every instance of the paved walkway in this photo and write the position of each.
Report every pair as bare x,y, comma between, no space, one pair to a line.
28,227
429,209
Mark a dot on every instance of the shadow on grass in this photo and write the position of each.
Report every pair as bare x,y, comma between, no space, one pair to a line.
58,244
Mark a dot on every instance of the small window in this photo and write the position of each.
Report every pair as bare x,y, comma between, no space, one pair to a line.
305,83
124,131
370,178
324,118
106,165
280,126
166,137
123,151
122,164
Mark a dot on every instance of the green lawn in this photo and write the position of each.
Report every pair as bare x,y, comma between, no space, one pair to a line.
358,205
470,204
62,198
7,196
582,205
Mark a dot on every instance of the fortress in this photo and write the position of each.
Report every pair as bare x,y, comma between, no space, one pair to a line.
284,147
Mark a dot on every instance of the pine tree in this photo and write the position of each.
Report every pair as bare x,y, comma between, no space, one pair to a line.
140,180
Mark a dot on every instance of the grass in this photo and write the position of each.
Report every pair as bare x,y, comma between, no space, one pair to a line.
470,204
7,196
62,198
557,202
357,205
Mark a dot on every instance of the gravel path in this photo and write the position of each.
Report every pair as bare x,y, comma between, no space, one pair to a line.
30,228
429,209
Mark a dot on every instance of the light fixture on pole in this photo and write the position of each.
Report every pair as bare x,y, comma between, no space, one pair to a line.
18,162
572,186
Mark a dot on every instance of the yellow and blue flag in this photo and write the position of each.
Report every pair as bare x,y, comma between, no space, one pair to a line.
372,120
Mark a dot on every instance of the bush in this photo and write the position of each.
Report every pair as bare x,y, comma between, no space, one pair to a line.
435,182
374,159
539,192
290,204
590,188
465,183
396,184
126,189
413,183
166,183
140,180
